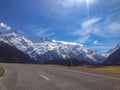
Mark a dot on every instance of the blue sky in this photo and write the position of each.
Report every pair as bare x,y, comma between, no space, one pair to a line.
93,23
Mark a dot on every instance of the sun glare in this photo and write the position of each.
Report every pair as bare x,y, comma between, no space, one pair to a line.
87,1
74,2
88,10
71,2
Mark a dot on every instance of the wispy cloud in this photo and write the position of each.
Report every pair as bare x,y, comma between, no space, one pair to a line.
83,39
90,22
91,29
43,32
39,31
98,28
2,25
113,28
86,28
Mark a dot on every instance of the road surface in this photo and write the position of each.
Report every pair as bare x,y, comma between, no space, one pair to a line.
43,77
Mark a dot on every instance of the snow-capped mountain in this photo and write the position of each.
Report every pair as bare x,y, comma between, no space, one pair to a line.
113,50
114,58
45,49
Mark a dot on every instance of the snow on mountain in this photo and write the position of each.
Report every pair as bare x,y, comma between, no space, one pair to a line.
17,40
44,49
67,43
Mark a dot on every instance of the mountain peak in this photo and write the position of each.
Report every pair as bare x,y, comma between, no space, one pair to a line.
114,49
114,58
118,45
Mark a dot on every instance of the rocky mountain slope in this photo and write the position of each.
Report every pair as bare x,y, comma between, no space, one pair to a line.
114,58
10,54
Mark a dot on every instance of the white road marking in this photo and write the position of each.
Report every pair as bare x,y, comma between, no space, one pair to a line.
45,77
91,74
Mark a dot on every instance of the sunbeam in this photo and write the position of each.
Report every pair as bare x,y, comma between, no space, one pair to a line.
88,8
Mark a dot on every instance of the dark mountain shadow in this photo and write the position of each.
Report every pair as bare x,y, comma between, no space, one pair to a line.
10,54
68,62
114,58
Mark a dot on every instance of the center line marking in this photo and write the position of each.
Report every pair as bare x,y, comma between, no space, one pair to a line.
45,77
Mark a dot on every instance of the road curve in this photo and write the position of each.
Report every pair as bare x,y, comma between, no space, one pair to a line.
43,77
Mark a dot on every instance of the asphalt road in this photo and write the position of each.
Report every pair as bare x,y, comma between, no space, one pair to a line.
43,77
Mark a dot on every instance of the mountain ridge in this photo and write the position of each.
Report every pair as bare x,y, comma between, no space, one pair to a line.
113,58
50,50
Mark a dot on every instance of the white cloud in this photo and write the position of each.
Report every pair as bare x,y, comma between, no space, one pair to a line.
89,22
69,43
2,25
95,42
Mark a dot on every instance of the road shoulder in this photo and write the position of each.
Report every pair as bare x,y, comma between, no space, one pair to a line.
2,72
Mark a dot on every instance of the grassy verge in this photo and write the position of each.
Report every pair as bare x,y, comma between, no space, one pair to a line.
104,70
1,71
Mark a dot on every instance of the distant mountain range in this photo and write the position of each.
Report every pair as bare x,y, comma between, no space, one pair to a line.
44,50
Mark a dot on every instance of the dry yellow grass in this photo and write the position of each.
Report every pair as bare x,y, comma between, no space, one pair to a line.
105,70
1,71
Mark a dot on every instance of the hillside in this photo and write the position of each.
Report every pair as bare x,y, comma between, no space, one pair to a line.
10,54
114,58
